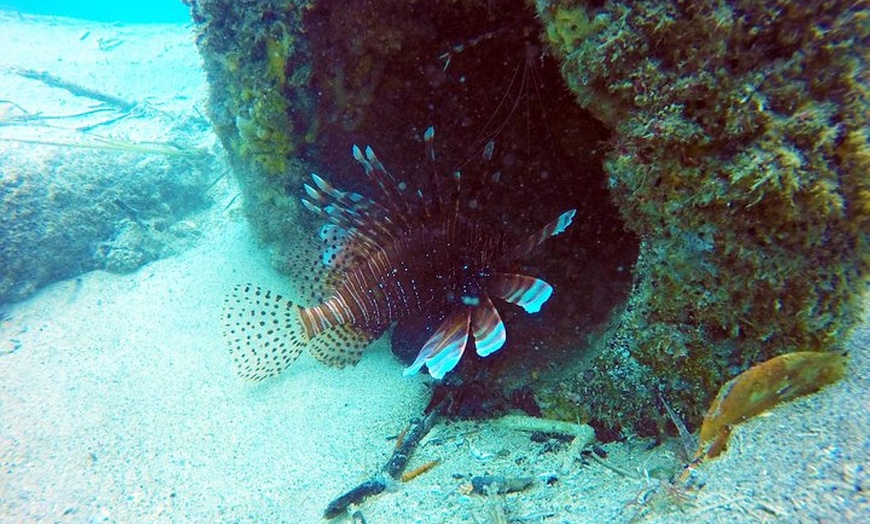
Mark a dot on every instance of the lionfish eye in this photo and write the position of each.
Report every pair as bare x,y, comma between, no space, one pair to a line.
470,300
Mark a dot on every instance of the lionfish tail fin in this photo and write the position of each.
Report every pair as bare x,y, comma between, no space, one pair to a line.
552,229
444,348
340,346
488,329
529,293
264,331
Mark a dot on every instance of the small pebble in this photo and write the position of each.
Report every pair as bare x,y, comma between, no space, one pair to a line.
485,484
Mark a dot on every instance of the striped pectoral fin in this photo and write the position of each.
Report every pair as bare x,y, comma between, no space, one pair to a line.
340,346
557,226
529,293
488,329
444,348
263,330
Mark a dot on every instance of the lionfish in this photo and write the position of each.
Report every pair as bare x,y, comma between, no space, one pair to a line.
387,259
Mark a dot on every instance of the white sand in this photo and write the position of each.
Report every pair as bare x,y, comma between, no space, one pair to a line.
118,403
121,403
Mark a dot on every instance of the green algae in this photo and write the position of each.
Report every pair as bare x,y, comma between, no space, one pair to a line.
739,157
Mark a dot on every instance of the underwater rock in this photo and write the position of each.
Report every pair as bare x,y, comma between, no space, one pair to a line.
135,245
67,211
495,484
739,156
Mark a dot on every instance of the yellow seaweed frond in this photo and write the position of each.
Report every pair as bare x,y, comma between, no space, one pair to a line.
763,386
414,473
109,144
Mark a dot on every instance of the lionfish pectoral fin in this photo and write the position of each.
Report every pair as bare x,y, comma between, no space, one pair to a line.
264,331
339,346
444,348
529,293
559,225
488,329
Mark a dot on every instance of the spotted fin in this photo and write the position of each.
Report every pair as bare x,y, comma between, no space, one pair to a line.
444,348
335,240
559,225
527,292
263,330
339,255
488,329
339,346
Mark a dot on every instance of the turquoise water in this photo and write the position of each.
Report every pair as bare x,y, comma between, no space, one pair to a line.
138,11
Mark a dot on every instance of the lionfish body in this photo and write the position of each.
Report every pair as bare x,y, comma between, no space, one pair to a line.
386,260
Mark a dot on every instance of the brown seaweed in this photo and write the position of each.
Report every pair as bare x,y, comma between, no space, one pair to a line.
763,386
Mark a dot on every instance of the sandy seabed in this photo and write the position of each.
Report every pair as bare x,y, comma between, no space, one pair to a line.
118,402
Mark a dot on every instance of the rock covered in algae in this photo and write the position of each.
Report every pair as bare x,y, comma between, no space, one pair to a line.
66,211
740,157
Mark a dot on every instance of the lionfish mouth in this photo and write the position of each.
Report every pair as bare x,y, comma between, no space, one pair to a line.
386,259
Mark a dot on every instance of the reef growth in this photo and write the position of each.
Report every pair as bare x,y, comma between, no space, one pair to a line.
740,157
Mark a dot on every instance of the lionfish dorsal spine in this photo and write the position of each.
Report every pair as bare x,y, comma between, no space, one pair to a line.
480,194
363,218
429,142
394,200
